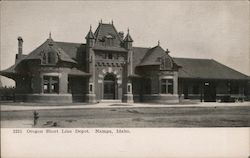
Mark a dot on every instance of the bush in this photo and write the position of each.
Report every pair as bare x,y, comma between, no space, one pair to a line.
7,93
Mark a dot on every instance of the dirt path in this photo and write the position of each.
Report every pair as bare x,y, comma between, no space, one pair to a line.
132,117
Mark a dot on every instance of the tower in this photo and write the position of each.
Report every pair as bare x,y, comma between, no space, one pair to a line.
128,94
128,41
90,64
90,38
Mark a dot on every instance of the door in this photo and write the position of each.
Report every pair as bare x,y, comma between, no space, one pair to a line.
109,87
209,92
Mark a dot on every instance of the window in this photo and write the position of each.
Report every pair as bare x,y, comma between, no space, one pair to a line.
129,88
90,87
110,56
49,58
167,86
108,40
50,84
44,61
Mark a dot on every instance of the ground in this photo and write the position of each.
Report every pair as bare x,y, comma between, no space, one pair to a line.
126,115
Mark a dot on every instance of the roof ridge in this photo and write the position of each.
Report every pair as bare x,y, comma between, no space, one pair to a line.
105,23
192,58
218,63
68,42
148,53
100,29
60,51
117,32
96,30
39,47
142,47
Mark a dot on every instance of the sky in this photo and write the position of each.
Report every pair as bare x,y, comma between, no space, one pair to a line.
216,30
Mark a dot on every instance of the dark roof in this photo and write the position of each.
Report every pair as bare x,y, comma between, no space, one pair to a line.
75,51
69,52
152,56
138,54
10,71
206,69
107,30
90,35
49,45
128,38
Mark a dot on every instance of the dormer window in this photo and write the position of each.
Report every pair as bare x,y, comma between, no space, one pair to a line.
108,36
44,58
49,58
110,56
108,40
166,64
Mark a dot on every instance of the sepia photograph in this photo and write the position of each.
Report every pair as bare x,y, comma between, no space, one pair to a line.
72,66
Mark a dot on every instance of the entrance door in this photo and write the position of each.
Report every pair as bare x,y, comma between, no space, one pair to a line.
209,92
109,87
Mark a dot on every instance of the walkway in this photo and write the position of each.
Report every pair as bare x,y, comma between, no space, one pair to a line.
37,106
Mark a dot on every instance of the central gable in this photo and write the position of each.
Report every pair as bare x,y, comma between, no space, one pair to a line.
107,35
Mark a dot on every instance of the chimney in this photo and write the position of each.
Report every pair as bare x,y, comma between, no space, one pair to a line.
20,47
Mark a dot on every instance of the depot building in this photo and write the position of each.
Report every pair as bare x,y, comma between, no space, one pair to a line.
107,66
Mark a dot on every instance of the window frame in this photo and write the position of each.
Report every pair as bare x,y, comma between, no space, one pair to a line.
167,86
52,83
49,58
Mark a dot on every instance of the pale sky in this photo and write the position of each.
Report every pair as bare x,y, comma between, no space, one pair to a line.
195,29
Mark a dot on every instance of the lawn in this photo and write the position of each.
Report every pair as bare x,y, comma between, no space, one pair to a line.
154,117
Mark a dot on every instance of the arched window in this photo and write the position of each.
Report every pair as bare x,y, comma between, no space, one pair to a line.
44,58
49,58
110,56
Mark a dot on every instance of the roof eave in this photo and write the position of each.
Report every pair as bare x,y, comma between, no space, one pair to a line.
207,78
108,49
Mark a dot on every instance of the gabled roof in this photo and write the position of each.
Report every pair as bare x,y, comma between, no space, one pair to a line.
75,51
108,31
206,69
61,48
152,56
49,45
138,54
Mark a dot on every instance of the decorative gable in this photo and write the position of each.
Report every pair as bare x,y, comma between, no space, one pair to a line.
166,63
106,35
